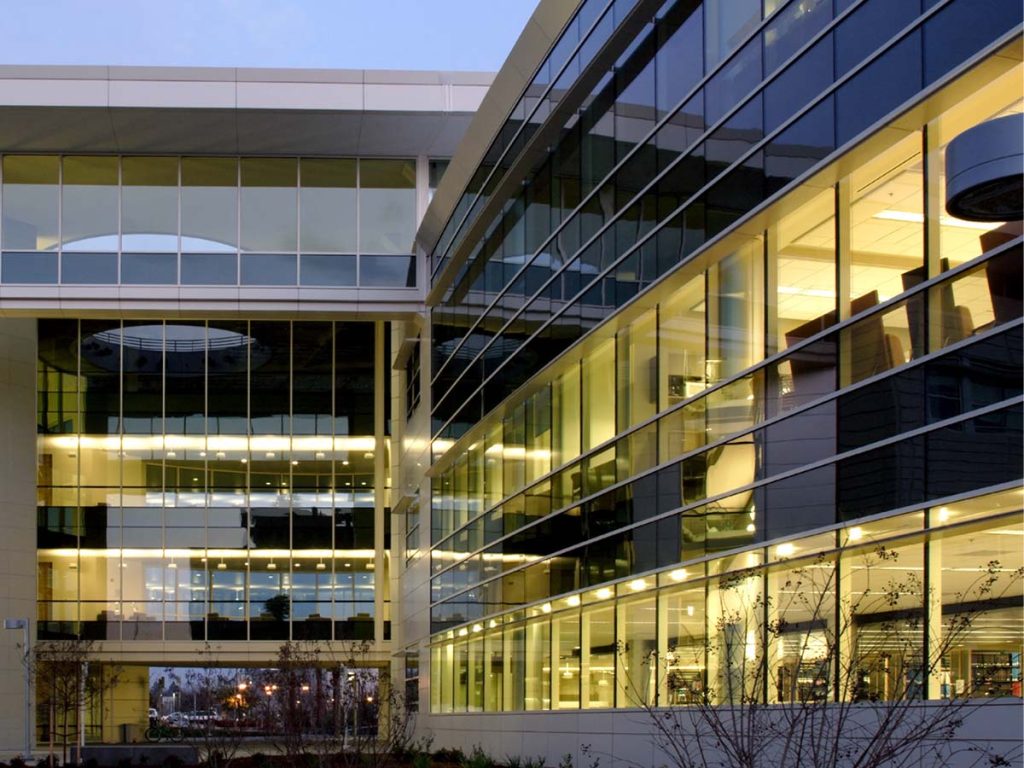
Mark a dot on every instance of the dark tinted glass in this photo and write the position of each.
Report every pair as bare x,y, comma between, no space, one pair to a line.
791,28
149,268
387,271
328,269
885,478
28,267
864,31
880,87
268,269
92,268
975,453
209,269
798,503
962,29
798,84
734,81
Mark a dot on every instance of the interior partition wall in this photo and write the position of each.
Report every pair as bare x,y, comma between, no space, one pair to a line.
211,480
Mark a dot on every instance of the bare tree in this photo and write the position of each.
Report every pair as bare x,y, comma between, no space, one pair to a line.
215,738
333,706
800,667
66,686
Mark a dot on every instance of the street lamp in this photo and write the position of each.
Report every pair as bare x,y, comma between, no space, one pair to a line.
23,625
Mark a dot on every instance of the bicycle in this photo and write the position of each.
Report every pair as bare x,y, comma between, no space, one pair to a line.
161,732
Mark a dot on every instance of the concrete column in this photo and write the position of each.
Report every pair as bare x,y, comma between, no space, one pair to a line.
381,368
17,517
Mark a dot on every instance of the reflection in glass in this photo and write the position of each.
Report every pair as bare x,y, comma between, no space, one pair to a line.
387,206
30,204
209,204
89,204
268,213
149,204
327,205
805,270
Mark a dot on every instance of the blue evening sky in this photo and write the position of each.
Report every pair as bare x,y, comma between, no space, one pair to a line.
345,34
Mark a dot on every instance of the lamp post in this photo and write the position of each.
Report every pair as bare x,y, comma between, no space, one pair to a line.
23,625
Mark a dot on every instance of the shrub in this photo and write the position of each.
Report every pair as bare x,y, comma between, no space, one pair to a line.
173,761
454,756
478,759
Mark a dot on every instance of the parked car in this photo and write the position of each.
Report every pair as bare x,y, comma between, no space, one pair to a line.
176,719
201,717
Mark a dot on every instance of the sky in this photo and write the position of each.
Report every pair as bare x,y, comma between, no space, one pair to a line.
334,34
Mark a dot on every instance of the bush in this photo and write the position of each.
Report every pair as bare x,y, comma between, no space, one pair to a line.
124,762
173,761
453,756
478,759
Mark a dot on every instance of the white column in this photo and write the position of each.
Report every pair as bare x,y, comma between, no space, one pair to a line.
17,516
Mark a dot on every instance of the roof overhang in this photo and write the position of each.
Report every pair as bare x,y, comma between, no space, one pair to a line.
236,111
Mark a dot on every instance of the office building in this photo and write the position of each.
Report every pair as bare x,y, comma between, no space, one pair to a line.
515,378
701,324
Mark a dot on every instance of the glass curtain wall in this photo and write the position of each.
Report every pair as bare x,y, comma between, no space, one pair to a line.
804,620
207,480
257,221
828,256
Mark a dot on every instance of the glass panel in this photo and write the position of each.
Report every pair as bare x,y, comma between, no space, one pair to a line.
598,666
881,598
387,271
493,671
387,206
149,204
637,377
566,416
735,624
805,270
475,702
328,270
327,205
637,672
30,202
684,666
538,664
725,26
886,224
565,640
209,204
599,395
149,268
978,625
802,635
735,325
879,343
88,268
28,267
961,240
681,337
89,204
209,268
269,200
268,269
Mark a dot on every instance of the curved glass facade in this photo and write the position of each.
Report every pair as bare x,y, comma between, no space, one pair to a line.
724,310
634,185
